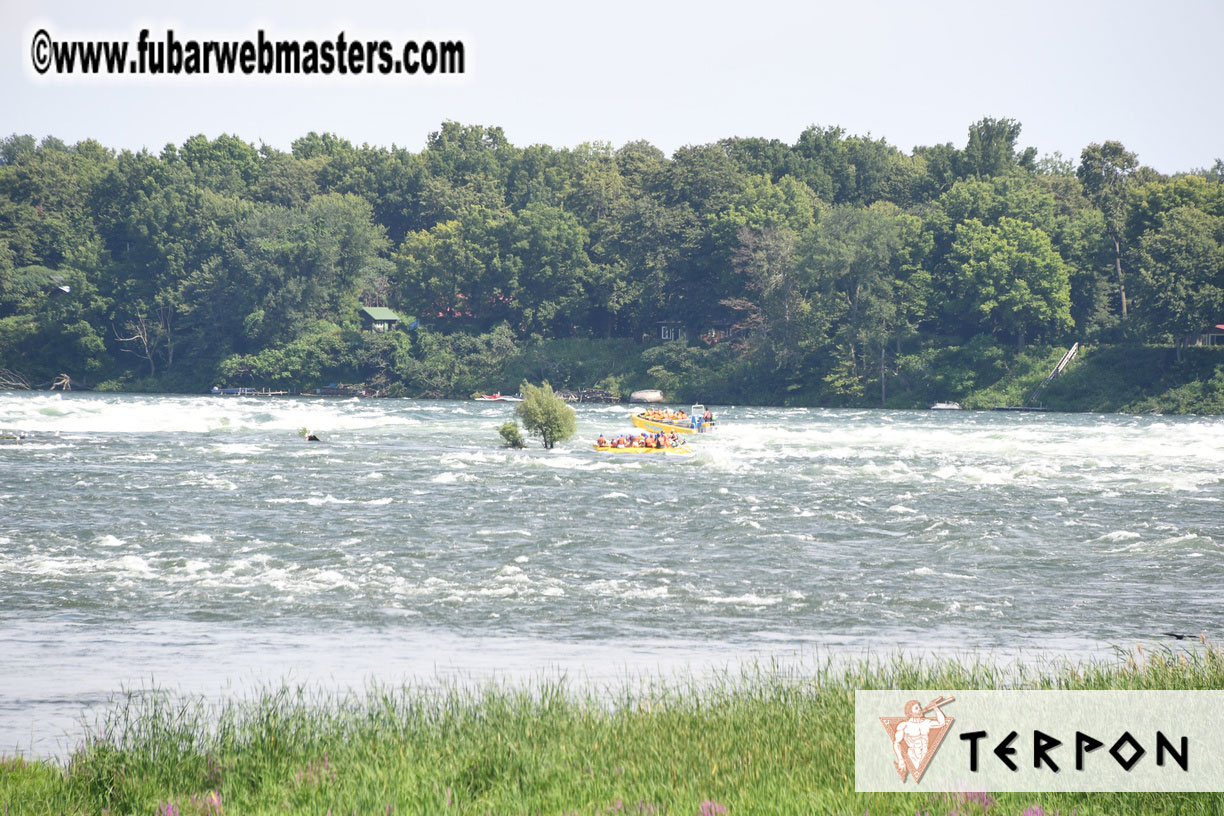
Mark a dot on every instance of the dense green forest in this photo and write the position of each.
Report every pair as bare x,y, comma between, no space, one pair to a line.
838,270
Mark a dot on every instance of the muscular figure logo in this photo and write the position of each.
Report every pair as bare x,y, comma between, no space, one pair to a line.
917,736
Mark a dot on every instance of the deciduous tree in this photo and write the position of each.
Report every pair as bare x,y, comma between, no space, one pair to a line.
1105,171
1181,267
546,415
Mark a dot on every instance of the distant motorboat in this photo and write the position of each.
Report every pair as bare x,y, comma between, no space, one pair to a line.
946,406
497,397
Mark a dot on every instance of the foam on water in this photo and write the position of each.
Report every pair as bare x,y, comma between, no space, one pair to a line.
451,477
127,414
132,564
785,527
313,501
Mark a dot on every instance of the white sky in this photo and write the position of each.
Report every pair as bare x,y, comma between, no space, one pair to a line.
1148,74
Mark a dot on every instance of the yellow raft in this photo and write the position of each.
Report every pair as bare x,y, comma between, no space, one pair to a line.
657,425
690,424
609,449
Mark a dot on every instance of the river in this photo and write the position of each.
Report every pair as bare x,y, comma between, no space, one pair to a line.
201,544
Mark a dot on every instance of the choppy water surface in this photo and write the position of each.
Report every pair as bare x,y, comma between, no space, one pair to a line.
199,540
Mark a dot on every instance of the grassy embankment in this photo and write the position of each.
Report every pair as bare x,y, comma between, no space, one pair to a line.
979,374
1114,379
769,740
1132,379
1141,380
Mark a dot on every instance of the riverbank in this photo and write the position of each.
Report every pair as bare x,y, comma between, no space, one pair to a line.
764,740
1121,378
1115,379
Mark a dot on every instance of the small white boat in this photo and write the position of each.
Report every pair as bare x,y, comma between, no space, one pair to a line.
497,398
946,406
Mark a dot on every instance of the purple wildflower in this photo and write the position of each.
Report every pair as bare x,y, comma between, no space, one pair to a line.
981,798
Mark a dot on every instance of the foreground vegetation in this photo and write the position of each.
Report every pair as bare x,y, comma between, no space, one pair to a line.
767,740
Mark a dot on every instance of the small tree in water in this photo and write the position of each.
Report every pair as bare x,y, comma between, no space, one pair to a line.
509,431
546,415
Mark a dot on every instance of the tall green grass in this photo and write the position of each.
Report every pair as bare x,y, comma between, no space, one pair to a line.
770,739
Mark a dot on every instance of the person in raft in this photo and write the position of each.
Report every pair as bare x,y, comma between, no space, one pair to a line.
657,440
673,417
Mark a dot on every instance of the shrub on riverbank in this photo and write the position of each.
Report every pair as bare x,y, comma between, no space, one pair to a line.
768,740
979,373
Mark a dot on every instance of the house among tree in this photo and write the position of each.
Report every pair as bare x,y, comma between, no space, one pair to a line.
714,332
1214,336
672,330
378,318
719,331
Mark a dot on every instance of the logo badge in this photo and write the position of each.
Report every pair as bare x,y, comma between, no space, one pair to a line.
916,737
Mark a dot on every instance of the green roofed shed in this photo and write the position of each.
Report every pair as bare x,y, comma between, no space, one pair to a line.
378,318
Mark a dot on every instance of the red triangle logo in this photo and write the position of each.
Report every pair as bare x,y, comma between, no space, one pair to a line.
916,738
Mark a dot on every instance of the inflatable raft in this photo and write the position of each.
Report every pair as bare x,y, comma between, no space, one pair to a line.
683,423
682,449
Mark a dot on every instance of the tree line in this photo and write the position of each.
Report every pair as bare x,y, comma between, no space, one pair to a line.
827,270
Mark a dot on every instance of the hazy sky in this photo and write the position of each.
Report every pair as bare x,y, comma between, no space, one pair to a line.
562,73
